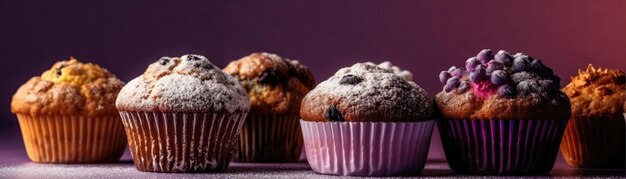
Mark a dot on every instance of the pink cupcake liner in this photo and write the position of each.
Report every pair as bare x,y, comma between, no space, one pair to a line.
270,138
367,148
182,142
596,142
501,147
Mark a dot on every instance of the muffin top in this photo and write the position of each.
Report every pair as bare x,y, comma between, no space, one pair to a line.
387,65
69,88
597,92
502,86
187,84
275,85
366,92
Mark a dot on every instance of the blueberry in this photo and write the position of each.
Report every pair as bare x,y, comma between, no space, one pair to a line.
520,63
504,57
58,69
472,63
493,66
457,72
451,84
485,56
498,77
451,69
506,90
269,77
478,75
164,61
547,85
333,114
193,58
463,86
350,80
526,87
444,76
540,68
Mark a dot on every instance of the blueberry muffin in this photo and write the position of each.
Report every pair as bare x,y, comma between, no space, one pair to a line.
367,120
183,114
502,114
275,87
68,114
595,134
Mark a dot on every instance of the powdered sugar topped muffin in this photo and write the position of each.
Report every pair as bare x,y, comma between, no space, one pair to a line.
187,84
372,108
366,92
387,65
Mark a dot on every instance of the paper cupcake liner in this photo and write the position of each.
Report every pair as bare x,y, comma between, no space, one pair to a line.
73,138
501,147
270,138
367,148
594,142
182,142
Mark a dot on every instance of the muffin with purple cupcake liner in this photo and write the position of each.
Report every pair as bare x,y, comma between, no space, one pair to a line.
182,115
501,114
275,86
367,120
594,137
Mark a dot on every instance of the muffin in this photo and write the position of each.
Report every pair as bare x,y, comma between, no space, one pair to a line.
182,115
67,115
595,133
275,87
501,115
366,121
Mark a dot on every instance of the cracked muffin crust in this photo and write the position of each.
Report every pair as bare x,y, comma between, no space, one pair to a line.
69,87
274,84
597,92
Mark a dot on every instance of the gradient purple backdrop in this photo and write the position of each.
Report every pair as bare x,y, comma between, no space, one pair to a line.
424,37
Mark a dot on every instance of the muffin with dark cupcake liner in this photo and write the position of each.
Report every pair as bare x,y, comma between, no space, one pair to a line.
367,120
501,115
595,134
275,86
182,115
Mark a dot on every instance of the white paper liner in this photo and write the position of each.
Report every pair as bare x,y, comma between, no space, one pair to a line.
367,148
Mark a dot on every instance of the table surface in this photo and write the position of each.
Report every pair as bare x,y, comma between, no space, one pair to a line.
15,164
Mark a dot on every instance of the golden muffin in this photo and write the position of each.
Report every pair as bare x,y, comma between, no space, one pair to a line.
68,114
595,134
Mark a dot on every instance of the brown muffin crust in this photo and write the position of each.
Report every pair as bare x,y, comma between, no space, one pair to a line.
597,92
366,92
534,106
274,84
69,88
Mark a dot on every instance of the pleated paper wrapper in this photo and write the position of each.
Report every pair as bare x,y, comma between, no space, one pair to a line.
182,142
501,147
596,142
270,138
73,138
367,148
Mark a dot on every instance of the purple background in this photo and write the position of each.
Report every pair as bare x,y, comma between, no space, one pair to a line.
424,37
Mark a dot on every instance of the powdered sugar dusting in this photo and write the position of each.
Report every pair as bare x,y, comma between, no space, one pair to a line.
380,89
190,83
387,65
